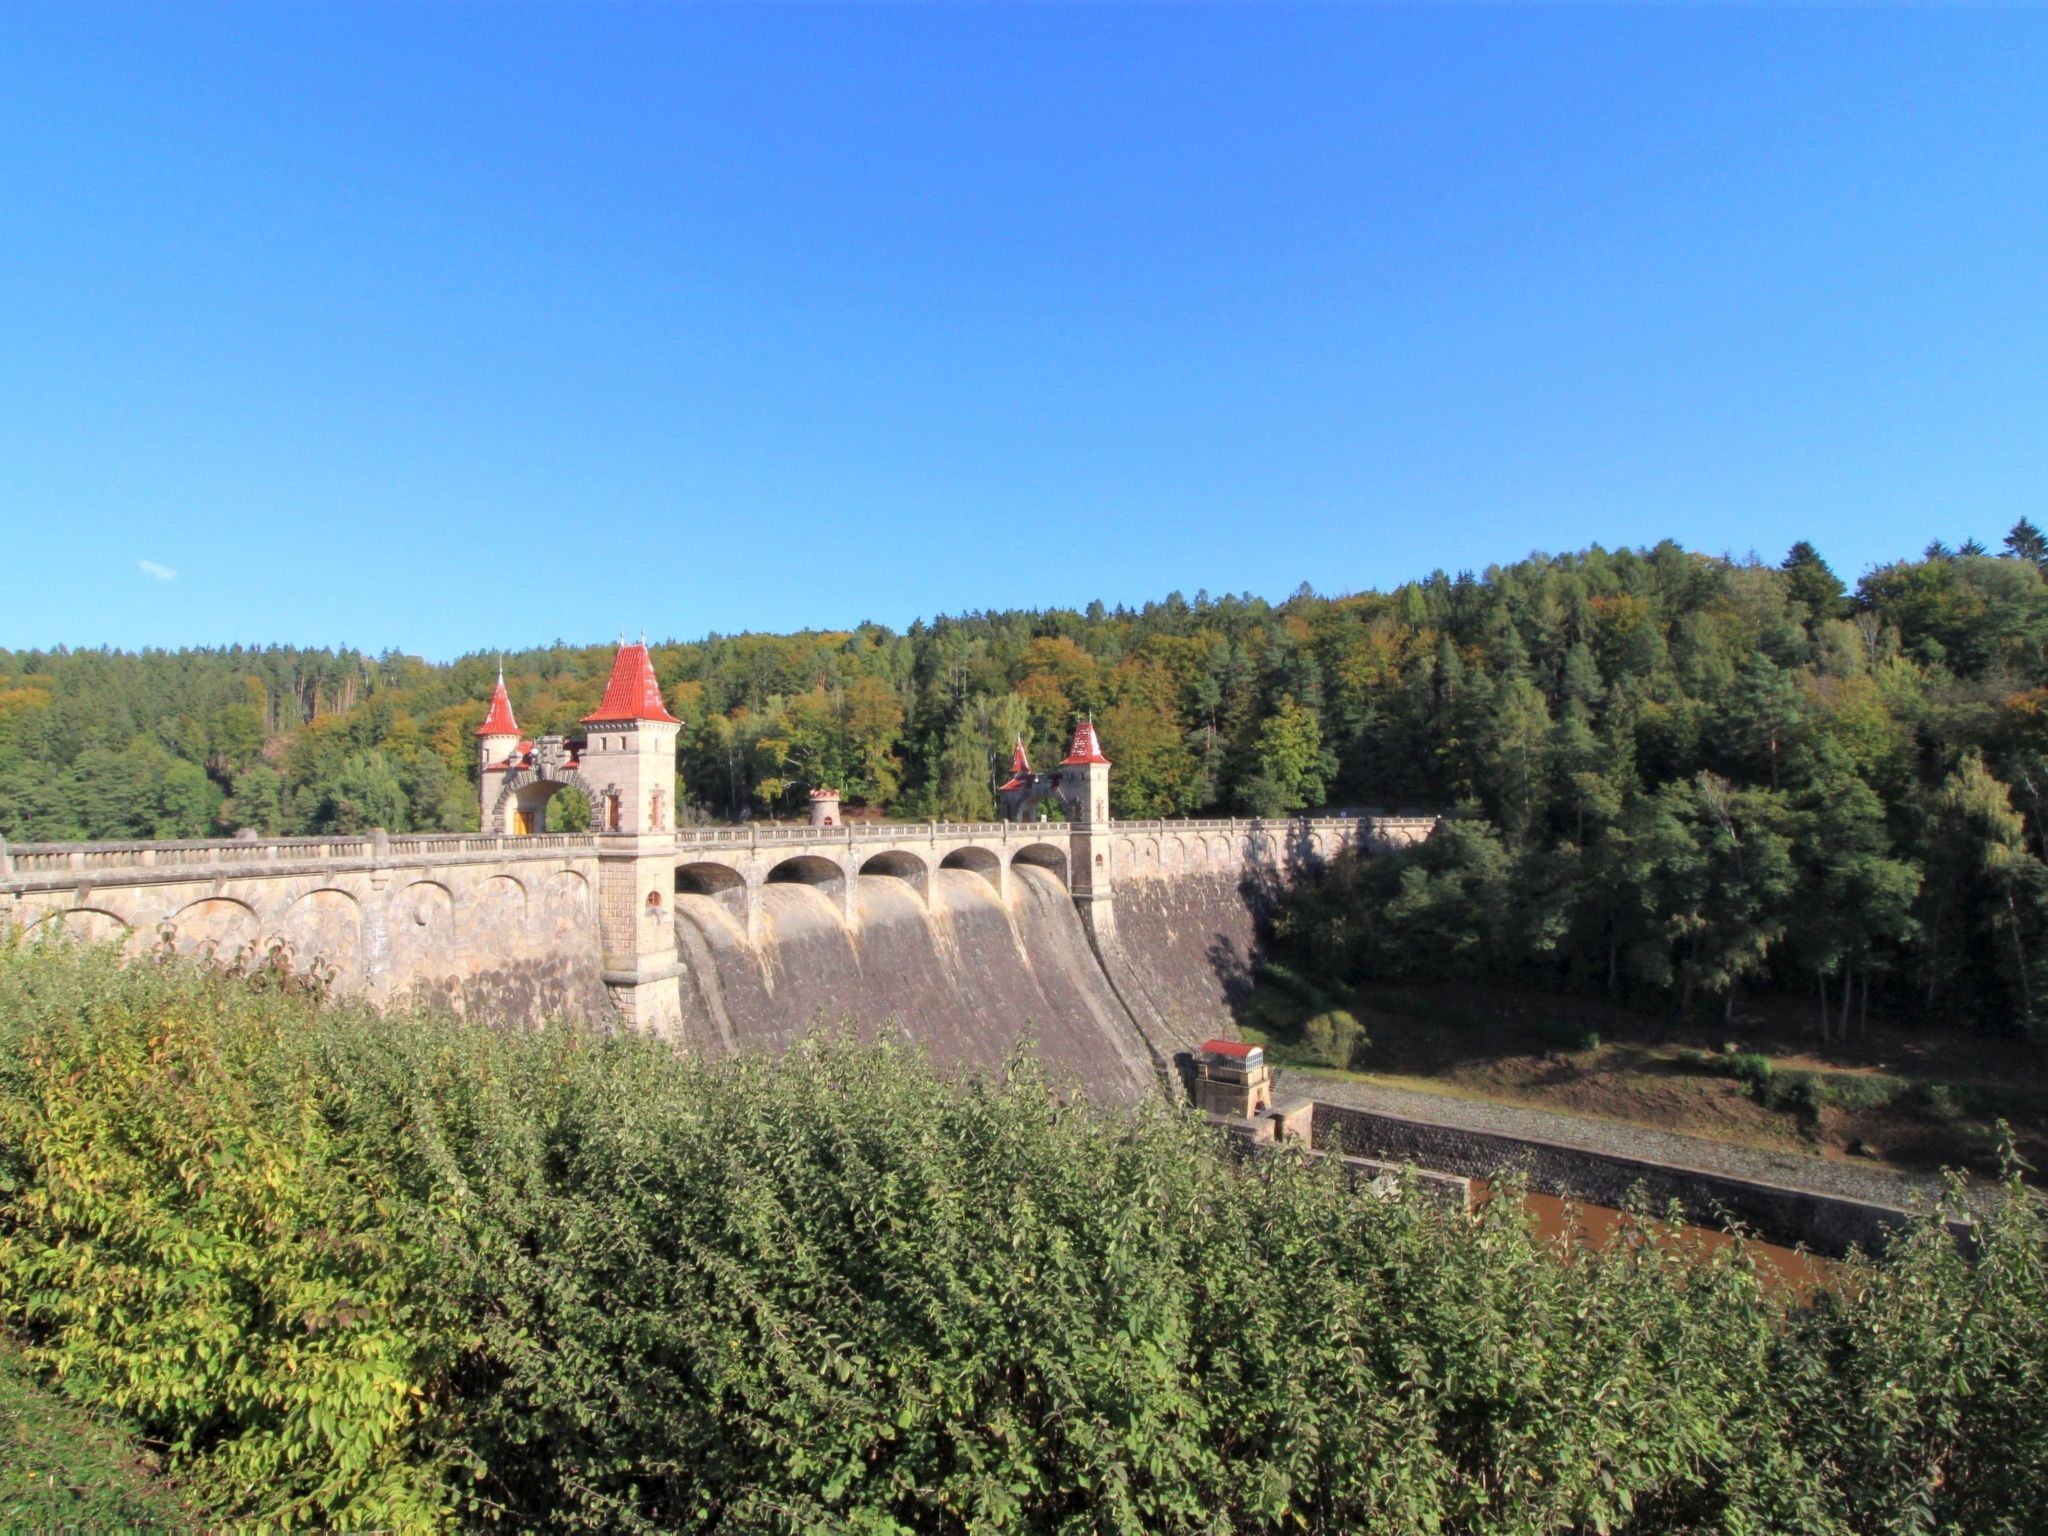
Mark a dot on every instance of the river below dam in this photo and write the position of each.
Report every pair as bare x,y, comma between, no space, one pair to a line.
1778,1268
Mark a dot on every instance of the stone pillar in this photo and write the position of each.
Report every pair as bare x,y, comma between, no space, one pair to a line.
1084,791
376,917
637,930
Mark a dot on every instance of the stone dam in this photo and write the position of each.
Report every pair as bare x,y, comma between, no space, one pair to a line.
1114,945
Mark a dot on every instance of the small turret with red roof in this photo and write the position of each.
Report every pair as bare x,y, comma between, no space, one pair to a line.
498,737
1020,771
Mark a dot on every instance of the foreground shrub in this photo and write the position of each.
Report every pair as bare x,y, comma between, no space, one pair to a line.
414,1273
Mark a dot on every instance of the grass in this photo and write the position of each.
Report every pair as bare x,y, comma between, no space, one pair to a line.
63,1469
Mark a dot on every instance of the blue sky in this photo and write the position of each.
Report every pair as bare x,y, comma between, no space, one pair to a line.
450,327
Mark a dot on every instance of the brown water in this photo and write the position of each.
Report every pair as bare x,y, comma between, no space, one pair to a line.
1597,1225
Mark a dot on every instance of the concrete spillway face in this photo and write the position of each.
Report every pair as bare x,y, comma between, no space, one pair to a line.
1189,944
965,978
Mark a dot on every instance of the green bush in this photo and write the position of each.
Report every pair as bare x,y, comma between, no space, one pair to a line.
1751,1068
1861,1090
1566,1033
1797,1091
419,1273
1940,1100
1336,1039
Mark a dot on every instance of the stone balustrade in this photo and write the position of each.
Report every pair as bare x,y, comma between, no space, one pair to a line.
26,866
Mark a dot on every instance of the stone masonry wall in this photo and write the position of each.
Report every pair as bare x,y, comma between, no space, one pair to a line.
463,922
1826,1224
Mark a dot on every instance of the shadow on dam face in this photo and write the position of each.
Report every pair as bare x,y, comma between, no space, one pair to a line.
965,978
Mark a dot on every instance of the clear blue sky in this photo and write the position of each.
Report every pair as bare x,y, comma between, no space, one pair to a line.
457,326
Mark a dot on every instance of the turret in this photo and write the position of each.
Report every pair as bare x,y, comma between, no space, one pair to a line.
1084,779
629,753
497,744
499,733
1014,797
1020,770
824,807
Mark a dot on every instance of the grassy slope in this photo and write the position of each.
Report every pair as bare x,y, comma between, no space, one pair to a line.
63,1469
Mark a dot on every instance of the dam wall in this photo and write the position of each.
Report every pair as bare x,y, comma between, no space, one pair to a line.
1112,945
1194,903
505,926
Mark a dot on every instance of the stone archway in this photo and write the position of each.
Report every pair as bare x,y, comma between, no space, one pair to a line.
526,790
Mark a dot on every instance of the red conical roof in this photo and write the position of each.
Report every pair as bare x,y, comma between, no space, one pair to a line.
633,693
1020,768
1086,749
499,721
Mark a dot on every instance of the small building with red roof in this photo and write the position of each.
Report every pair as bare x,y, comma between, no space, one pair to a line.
1231,1078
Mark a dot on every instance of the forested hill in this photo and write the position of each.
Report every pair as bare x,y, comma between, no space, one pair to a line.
1541,694
1661,757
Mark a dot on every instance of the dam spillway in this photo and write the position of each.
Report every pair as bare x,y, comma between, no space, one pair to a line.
967,975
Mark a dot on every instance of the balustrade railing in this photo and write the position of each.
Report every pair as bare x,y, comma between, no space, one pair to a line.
102,860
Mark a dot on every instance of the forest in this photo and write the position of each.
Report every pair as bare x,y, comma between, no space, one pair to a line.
1671,775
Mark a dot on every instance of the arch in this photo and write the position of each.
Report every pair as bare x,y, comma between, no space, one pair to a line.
899,865
1043,856
980,860
528,791
824,876
325,927
422,899
721,882
422,931
499,906
87,925
218,925
566,898
809,869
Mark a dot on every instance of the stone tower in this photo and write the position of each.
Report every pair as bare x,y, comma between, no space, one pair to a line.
629,749
1084,779
497,745
1084,795
629,760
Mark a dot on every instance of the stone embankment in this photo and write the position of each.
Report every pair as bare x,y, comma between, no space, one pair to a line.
1783,1197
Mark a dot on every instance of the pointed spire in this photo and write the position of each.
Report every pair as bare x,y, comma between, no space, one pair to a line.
633,693
499,721
1086,749
1020,768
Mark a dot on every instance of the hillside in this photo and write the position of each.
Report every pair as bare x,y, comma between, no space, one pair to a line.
1677,775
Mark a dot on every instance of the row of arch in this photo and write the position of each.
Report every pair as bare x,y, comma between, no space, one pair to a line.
426,925
736,889
711,878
